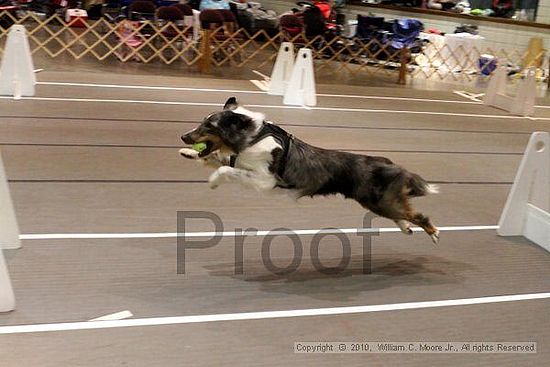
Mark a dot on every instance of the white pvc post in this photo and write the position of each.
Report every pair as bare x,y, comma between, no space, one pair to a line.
282,70
301,88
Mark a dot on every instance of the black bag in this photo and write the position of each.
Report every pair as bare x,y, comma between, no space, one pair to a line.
314,22
253,24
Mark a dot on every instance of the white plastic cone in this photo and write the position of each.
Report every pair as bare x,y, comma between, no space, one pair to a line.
522,104
497,85
530,187
7,298
9,230
17,70
301,88
282,70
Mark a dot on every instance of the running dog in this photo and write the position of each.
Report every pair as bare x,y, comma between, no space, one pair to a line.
245,148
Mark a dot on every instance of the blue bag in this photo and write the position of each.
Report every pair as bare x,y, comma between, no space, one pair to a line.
214,4
405,32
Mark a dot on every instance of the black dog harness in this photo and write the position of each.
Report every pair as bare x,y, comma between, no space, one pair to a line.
283,138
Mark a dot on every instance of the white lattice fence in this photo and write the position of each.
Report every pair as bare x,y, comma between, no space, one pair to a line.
169,43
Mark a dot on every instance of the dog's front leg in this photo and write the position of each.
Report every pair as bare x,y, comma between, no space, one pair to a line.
226,173
189,153
215,159
257,180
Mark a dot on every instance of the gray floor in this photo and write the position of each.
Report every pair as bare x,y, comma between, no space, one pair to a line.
113,167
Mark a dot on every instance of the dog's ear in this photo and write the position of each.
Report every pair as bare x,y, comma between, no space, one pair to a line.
231,104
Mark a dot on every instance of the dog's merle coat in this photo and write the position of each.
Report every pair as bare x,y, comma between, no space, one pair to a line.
246,148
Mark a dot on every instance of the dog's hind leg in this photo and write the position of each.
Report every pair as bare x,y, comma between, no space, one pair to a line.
400,211
407,213
417,218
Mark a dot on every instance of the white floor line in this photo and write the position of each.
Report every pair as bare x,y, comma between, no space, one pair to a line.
238,91
262,85
244,91
467,95
337,109
264,77
149,87
262,315
57,236
114,316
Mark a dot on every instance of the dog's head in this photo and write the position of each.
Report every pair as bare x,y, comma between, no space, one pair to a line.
228,130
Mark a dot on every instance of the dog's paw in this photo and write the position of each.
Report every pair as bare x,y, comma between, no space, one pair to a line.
224,171
214,180
435,237
189,153
404,226
218,176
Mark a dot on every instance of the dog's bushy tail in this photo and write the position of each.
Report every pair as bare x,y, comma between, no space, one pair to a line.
420,187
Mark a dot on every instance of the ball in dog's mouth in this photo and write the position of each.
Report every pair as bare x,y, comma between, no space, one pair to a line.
199,147
204,148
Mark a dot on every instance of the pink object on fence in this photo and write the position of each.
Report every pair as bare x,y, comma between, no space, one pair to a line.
128,35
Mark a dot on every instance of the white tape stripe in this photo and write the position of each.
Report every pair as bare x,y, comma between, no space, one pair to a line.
264,77
176,103
149,87
50,236
173,320
262,85
467,96
59,99
114,316
261,92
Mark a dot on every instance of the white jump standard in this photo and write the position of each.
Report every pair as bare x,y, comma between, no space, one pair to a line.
523,104
526,212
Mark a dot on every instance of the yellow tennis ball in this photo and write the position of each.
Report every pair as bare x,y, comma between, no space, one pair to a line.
199,147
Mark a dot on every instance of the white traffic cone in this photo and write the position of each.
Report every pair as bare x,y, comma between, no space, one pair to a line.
7,298
9,230
522,104
17,77
282,70
301,88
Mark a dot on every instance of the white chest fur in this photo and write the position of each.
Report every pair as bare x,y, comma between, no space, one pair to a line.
258,157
